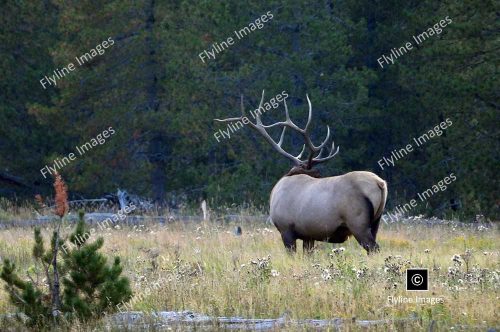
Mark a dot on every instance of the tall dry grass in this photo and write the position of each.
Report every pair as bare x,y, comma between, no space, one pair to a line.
207,269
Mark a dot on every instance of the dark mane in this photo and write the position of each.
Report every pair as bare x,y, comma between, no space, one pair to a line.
299,170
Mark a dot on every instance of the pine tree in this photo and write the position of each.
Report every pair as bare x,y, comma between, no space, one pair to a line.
152,87
27,31
91,286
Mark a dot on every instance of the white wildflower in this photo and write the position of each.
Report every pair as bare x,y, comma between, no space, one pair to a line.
326,275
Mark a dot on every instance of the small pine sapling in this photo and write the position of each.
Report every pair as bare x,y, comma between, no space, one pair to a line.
91,287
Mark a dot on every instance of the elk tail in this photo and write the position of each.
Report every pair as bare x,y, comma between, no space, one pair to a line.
383,188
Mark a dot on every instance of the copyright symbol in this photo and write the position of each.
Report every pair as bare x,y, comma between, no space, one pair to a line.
417,279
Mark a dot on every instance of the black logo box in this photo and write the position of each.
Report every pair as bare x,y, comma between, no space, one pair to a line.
417,279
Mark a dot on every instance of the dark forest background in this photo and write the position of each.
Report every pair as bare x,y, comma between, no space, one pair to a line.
161,99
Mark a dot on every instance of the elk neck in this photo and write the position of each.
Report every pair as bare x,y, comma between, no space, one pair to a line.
300,170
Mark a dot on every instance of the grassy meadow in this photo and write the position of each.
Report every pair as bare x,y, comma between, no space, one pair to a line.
206,268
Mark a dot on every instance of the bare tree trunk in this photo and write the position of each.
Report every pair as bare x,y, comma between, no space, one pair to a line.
157,144
56,300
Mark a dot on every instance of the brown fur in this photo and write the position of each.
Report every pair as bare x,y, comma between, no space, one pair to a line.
300,170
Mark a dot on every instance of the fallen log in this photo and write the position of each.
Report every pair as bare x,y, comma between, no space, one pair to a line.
193,321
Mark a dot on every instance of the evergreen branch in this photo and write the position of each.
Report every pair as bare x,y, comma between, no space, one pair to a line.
13,292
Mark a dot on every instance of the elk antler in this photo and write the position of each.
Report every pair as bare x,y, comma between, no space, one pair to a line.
315,152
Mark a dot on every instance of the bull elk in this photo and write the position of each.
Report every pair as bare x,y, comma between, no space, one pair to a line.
305,206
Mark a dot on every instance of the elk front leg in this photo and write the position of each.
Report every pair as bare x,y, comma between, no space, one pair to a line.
289,240
308,246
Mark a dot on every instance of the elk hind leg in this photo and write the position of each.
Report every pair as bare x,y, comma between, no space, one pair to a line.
289,240
365,228
366,239
374,228
365,231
